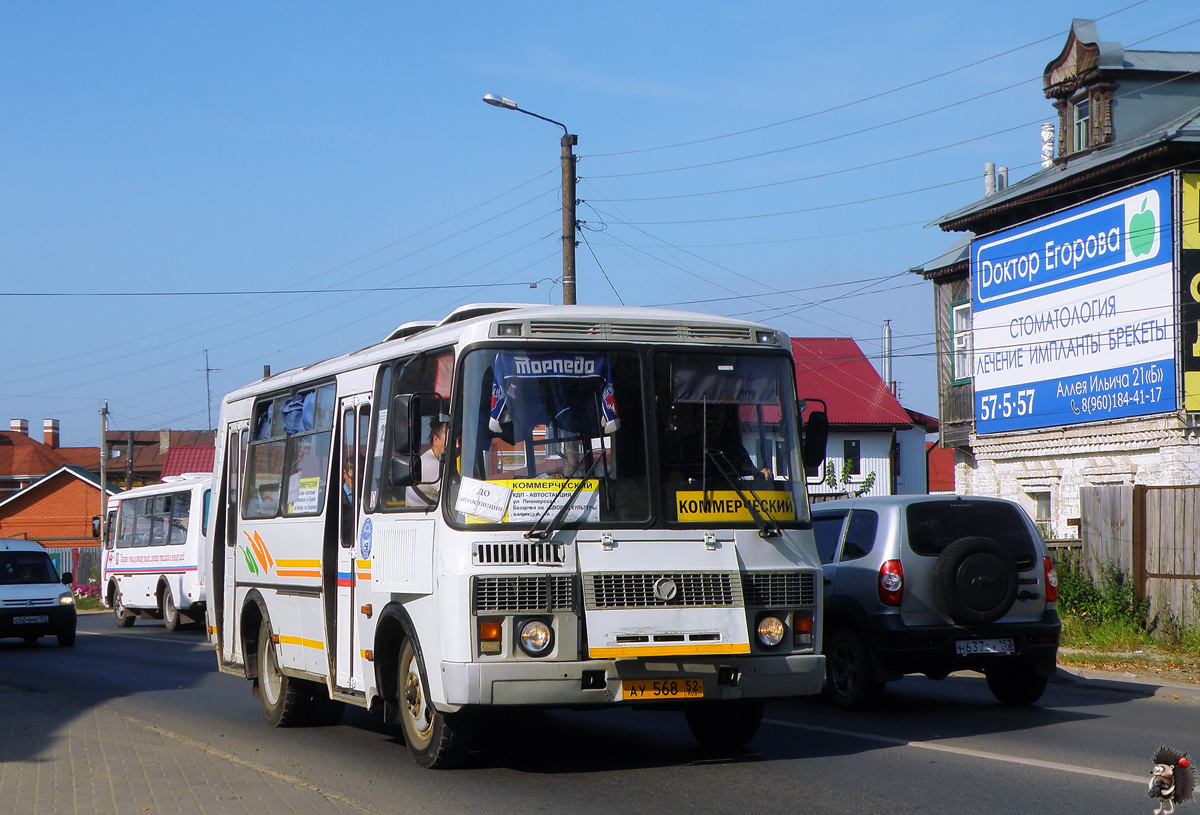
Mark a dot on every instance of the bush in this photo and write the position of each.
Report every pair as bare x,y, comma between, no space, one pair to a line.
1113,603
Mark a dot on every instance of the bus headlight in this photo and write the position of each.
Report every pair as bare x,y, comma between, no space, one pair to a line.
770,631
535,637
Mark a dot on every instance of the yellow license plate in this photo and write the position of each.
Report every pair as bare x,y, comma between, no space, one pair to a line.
658,689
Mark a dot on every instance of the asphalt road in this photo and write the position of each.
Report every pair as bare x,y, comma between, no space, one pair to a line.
934,746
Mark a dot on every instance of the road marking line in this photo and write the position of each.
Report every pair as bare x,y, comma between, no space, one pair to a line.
965,751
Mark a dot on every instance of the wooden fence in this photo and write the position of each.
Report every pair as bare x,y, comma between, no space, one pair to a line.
1153,534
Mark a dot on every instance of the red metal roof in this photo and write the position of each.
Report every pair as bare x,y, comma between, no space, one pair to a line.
182,460
834,369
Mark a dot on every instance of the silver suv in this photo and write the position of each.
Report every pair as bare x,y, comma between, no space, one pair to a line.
933,584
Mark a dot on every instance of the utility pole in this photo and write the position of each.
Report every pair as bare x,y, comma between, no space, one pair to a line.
103,475
569,223
568,215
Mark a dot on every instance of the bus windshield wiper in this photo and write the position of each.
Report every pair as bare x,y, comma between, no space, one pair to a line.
768,527
544,534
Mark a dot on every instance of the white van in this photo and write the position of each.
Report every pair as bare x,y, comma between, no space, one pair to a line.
34,602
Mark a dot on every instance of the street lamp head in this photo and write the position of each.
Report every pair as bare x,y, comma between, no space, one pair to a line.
500,101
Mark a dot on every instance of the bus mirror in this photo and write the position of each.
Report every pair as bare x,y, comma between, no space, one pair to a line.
95,526
405,470
816,434
406,425
407,410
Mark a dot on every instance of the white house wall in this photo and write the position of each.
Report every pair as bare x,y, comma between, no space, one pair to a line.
1155,451
913,475
874,456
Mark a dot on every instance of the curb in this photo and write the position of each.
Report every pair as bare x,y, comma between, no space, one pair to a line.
1126,682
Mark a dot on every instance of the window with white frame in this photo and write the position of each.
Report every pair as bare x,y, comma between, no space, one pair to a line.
1081,126
960,358
1041,512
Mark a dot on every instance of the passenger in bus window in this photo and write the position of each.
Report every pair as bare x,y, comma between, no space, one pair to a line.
426,493
696,435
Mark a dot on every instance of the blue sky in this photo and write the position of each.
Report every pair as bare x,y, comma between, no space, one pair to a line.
276,182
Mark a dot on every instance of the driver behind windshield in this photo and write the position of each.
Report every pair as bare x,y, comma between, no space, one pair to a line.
699,433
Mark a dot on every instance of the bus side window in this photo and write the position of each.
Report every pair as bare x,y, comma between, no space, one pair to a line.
264,461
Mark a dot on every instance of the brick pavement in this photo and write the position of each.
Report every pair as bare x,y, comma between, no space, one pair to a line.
62,758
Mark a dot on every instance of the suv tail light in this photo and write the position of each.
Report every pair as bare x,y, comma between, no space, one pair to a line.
891,583
1051,581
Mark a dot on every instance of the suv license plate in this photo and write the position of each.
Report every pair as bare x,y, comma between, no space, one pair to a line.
1003,645
637,689
32,619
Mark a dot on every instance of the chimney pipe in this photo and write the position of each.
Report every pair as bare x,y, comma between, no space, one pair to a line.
50,432
1001,179
989,179
19,426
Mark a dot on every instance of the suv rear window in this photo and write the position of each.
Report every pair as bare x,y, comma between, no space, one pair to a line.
934,525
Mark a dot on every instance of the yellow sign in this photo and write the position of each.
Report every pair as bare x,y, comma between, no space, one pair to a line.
526,500
699,506
1190,220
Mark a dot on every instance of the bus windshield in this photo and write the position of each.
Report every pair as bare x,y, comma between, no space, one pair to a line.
729,445
537,421
572,433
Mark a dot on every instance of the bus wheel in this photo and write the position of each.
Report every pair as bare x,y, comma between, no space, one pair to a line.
124,617
435,739
170,613
285,701
724,725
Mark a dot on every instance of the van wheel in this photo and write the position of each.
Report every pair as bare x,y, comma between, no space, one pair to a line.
170,613
850,681
123,616
435,739
66,637
1016,685
30,639
285,701
724,725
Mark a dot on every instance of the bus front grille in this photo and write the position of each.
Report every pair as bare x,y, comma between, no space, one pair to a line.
780,588
658,590
523,593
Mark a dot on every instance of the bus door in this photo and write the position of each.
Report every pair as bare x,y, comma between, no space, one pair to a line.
341,618
224,578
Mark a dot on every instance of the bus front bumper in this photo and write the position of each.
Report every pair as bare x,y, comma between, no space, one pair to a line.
600,682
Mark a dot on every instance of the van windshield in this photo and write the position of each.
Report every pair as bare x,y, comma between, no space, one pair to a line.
21,568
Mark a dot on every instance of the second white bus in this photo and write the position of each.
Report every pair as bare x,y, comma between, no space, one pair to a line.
151,563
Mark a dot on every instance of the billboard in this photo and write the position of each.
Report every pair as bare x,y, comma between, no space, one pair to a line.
1073,315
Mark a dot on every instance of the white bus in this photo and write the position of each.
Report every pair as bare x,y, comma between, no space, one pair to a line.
153,550
570,547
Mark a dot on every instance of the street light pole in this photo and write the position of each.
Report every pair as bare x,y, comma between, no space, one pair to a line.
568,194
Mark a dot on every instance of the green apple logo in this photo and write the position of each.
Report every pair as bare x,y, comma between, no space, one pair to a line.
1141,231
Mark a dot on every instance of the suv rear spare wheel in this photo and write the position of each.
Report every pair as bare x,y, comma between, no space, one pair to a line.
976,580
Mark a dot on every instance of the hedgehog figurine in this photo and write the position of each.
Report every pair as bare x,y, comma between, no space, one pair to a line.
1172,780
